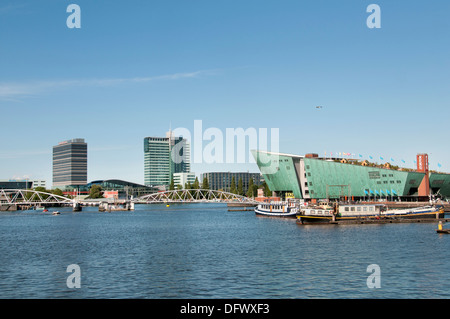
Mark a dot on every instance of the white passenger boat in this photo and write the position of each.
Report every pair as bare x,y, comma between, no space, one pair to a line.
277,209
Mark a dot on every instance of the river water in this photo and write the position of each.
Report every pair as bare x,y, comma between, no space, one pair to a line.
205,251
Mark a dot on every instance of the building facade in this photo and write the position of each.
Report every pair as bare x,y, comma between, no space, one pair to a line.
183,178
70,163
123,189
222,180
164,156
16,184
311,177
21,184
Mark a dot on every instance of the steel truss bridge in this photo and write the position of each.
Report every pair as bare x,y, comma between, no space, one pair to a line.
193,196
31,197
11,197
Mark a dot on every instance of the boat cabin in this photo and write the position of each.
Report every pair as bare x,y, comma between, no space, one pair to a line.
361,209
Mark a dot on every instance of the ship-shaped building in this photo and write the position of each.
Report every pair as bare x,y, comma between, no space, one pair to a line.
311,177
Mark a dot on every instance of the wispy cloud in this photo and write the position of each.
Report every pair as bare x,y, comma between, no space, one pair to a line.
23,154
10,91
10,7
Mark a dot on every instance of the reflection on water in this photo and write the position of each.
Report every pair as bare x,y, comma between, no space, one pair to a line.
204,251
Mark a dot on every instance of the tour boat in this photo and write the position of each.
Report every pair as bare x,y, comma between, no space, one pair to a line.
277,209
366,212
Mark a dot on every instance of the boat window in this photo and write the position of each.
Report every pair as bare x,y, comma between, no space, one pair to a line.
352,209
346,209
371,209
365,209
359,209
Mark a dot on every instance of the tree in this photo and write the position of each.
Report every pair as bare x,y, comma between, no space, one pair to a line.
57,191
196,184
240,190
172,185
255,190
96,191
39,189
233,186
250,188
205,184
267,191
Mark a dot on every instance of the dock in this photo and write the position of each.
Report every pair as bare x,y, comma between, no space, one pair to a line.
384,221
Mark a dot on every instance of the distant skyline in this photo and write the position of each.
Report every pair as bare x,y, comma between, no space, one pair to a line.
137,68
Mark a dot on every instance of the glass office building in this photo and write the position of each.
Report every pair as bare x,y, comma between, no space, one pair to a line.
70,163
164,156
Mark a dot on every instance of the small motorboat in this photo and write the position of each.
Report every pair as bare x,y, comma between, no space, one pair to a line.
55,213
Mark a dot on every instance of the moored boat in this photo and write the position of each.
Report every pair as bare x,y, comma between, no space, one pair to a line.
277,209
373,212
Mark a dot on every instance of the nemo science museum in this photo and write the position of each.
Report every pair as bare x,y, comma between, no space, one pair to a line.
312,178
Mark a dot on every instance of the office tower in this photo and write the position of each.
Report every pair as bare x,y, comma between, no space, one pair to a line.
164,156
70,163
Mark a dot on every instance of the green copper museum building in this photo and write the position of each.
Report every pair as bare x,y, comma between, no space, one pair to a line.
312,177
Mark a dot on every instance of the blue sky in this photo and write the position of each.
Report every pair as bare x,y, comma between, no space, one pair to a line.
137,67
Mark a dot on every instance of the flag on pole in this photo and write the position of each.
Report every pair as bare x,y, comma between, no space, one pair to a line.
360,155
439,165
370,157
403,161
392,160
381,158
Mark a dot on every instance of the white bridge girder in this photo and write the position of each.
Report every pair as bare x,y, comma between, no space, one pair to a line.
193,196
31,197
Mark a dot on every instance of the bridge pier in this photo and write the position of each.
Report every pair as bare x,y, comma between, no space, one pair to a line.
77,207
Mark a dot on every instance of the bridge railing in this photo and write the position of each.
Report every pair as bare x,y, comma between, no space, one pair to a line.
193,195
30,197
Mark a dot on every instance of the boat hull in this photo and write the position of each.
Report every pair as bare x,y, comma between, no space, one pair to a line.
383,218
274,214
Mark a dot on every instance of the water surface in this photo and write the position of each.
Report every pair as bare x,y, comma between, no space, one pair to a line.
205,251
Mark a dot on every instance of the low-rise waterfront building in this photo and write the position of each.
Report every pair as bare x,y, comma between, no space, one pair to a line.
222,180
